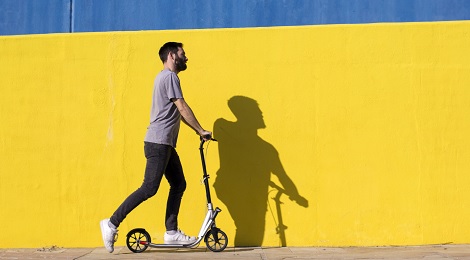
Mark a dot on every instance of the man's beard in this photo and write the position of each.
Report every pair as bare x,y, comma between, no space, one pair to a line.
180,64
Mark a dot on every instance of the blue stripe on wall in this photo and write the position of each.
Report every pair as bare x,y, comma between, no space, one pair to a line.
34,16
189,14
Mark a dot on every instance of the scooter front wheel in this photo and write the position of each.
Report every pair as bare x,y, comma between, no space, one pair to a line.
216,240
137,240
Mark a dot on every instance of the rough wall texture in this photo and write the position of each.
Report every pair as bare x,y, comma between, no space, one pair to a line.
369,122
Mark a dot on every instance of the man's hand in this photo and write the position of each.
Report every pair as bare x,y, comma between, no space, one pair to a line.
206,135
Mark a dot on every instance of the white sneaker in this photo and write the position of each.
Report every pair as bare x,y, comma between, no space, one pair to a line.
178,238
109,235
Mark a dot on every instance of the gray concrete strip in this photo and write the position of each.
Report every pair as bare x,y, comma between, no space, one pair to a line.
248,253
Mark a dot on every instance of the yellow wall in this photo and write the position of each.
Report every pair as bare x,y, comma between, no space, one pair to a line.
371,123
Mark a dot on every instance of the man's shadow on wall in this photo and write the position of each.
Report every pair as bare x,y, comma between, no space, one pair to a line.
246,164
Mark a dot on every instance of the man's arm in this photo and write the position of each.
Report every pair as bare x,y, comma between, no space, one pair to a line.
188,117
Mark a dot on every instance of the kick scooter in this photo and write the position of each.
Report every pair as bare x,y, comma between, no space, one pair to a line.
138,239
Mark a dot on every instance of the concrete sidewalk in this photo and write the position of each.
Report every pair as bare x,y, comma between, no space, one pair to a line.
271,253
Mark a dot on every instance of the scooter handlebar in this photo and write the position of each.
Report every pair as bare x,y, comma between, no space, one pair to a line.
206,138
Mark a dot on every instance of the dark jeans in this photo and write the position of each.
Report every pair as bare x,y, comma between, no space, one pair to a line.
161,160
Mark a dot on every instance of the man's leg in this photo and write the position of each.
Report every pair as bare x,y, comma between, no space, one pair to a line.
157,156
175,176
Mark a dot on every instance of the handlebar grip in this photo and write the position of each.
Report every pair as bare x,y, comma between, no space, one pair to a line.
208,137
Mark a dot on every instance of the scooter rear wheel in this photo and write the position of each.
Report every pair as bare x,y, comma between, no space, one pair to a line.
137,240
216,240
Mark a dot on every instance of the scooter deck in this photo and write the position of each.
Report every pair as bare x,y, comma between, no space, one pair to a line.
191,245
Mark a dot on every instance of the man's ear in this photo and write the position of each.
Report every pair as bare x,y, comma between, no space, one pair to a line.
170,56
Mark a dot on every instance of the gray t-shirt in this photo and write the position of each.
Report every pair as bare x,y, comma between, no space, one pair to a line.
164,117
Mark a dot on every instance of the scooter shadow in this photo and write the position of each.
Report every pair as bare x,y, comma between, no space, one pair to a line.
188,250
168,250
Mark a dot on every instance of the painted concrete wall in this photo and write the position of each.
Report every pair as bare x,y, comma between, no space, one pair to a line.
27,16
370,124
55,16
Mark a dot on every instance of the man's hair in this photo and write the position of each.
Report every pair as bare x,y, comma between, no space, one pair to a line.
169,47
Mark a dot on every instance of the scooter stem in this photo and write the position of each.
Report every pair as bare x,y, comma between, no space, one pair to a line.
205,176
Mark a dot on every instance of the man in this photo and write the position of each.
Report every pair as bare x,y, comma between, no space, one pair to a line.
168,109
